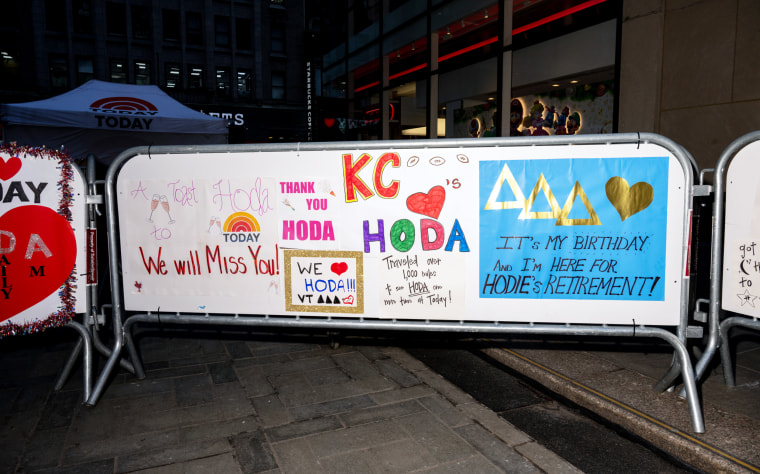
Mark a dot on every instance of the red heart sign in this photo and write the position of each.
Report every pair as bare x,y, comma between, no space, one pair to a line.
37,253
329,122
8,169
339,268
429,204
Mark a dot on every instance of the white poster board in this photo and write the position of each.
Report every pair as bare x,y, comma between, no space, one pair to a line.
581,234
741,245
42,240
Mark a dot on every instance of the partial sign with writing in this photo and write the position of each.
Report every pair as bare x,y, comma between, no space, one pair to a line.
42,240
741,249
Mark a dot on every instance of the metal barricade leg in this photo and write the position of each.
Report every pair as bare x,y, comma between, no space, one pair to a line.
667,380
106,374
725,355
83,344
725,349
69,366
139,371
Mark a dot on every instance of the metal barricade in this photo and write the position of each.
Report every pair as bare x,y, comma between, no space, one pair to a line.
568,235
732,269
43,249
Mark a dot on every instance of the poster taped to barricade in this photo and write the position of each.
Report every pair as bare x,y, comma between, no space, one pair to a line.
741,245
570,234
42,239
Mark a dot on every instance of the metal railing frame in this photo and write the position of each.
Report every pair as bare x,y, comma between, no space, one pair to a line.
718,330
122,324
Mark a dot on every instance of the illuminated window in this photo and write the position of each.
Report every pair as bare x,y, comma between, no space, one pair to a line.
142,72
173,77
223,82
118,71
195,77
244,83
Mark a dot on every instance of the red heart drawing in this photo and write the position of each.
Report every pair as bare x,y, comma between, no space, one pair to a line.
329,122
37,253
348,299
339,268
8,169
429,204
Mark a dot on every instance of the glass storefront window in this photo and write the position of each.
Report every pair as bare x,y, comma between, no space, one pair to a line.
553,43
571,107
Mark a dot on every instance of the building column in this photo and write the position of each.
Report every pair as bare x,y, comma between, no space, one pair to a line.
432,89
504,68
385,101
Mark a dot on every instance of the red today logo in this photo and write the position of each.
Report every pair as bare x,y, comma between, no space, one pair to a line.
37,254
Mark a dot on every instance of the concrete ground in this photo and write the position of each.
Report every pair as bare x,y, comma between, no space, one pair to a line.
237,401
245,402
616,380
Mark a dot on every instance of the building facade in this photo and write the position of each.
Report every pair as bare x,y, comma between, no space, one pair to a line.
323,70
474,68
241,60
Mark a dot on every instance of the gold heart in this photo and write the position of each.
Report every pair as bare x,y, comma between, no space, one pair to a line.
628,200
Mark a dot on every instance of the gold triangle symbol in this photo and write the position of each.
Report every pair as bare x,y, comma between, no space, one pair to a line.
518,203
577,191
542,185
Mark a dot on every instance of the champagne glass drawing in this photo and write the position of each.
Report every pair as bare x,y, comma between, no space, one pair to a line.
165,205
153,206
211,224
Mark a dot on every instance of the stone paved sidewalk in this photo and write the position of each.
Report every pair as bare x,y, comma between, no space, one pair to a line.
250,402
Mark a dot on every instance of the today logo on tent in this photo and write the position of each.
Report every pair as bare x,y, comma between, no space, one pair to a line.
126,113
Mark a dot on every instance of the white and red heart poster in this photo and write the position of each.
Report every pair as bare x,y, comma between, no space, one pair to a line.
42,239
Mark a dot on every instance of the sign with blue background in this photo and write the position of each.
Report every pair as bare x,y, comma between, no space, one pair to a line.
581,229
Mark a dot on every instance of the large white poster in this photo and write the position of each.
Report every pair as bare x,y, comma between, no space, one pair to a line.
550,234
43,258
741,244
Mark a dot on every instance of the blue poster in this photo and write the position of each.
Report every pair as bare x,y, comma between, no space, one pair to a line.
581,228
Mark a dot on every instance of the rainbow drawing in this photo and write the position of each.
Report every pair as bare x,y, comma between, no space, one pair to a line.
241,222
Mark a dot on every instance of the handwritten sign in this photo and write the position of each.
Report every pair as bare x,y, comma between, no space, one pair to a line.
741,250
573,229
486,234
421,284
324,281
